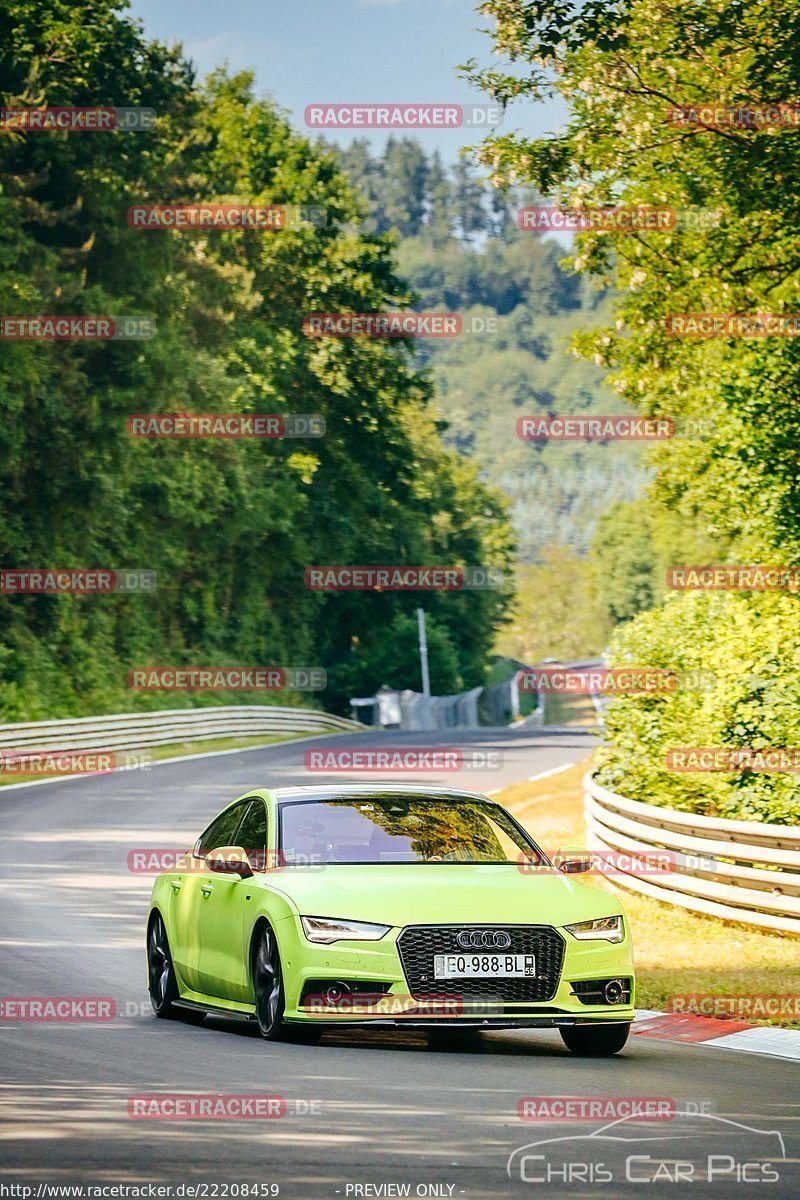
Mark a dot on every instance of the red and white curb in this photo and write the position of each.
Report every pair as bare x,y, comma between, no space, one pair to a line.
720,1035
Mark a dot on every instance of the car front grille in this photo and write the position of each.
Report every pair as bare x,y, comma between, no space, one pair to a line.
418,944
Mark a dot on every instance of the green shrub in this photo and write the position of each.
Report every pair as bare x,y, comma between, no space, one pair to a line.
750,644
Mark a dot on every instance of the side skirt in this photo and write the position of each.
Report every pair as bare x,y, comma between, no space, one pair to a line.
242,1012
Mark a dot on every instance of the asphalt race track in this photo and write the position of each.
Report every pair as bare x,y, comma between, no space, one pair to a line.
370,1113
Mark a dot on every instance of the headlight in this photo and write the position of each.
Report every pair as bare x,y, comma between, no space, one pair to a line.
606,929
328,929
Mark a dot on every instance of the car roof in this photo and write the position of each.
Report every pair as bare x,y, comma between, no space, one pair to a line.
344,791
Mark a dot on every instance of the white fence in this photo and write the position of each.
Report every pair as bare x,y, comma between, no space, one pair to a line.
741,871
136,731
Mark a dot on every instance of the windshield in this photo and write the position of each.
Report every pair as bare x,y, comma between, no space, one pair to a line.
401,829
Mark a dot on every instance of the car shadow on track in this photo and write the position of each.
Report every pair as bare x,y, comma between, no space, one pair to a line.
506,1042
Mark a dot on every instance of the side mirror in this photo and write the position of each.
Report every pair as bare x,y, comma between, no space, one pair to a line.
574,864
229,860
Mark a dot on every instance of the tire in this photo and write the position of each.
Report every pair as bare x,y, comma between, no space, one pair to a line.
268,993
595,1041
161,982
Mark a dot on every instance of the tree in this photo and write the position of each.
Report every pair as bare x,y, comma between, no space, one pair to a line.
390,656
522,292
502,217
404,176
228,526
366,175
468,201
669,107
439,217
626,561
623,67
557,613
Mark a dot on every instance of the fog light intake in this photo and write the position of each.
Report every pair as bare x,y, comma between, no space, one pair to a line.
614,991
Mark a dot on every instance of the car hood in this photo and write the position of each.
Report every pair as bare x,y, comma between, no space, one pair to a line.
429,893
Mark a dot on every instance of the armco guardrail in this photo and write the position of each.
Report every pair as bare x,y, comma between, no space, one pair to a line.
137,731
741,871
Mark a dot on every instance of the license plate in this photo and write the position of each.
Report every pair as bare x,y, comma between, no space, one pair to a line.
483,966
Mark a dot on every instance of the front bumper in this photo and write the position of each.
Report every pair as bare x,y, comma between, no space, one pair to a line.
381,994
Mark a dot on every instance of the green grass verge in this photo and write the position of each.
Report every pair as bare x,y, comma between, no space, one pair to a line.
677,952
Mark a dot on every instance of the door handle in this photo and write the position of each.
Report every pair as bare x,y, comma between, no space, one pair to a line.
206,888
176,884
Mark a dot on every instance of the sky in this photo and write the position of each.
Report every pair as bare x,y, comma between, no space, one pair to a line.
345,51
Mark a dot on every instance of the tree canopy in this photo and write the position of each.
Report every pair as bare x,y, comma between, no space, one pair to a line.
687,108
228,526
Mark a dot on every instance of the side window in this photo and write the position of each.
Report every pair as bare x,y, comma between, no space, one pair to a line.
252,836
222,830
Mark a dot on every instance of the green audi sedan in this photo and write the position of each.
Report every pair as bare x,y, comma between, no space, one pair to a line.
307,908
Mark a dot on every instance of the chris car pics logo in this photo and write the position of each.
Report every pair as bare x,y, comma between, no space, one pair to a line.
695,1147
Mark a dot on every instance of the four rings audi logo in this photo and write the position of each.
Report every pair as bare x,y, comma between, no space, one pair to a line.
483,939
